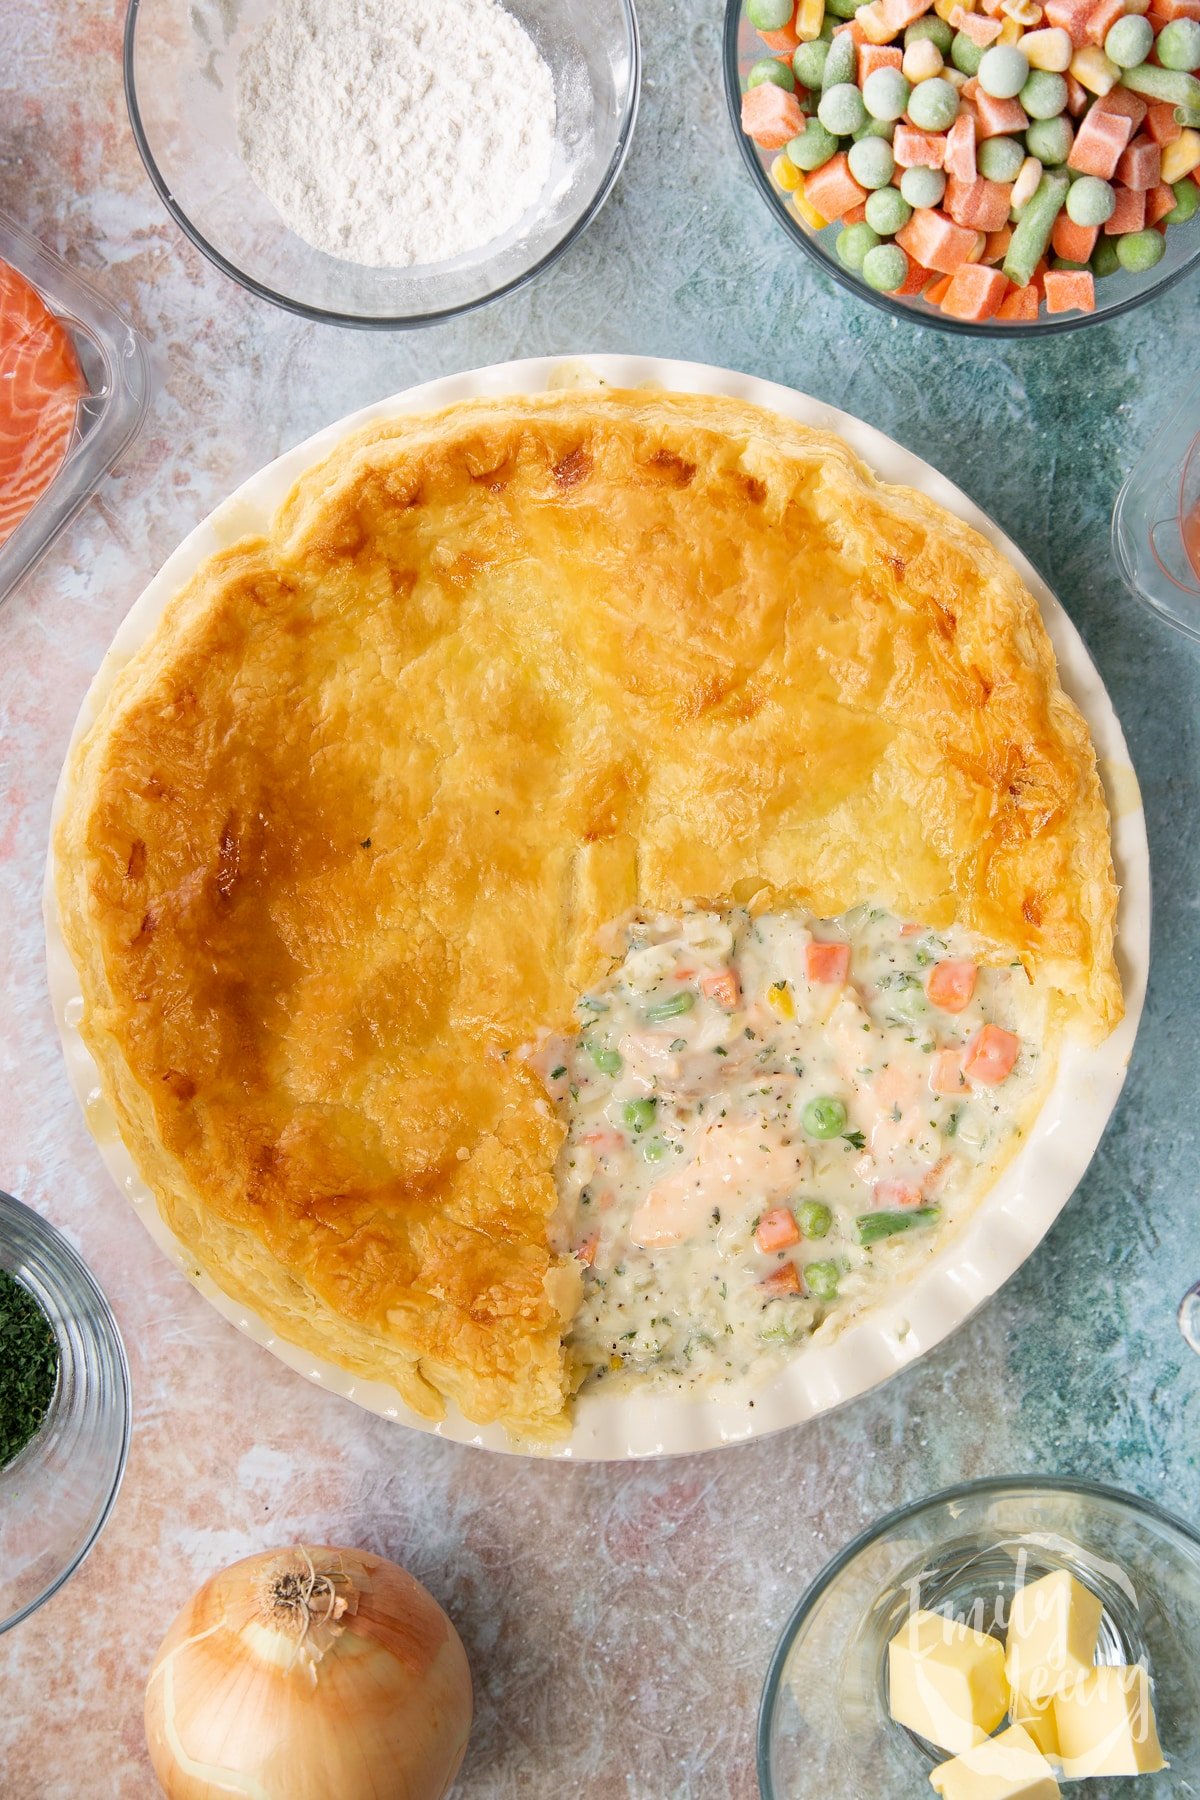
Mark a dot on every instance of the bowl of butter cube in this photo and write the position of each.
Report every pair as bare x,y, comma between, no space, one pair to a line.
994,1642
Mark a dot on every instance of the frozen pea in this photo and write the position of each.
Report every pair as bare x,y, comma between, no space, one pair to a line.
1044,95
808,63
965,53
1090,201
767,69
1187,202
1129,41
933,28
885,92
1003,71
853,243
876,128
925,187
871,162
933,105
769,15
1068,267
1105,260
1000,158
1050,141
885,269
841,109
1178,45
889,212
841,62
813,148
1138,251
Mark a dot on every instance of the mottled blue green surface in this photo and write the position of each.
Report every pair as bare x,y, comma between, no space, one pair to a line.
619,1619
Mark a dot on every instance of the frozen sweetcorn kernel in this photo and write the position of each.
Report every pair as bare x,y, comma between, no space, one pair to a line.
1052,1632
1007,1767
1105,1723
946,1681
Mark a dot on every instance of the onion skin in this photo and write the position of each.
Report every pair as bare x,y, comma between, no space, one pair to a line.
382,1713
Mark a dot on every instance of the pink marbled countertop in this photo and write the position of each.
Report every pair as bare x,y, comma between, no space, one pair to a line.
618,1619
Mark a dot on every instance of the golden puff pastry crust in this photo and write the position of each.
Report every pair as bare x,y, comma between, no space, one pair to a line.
343,835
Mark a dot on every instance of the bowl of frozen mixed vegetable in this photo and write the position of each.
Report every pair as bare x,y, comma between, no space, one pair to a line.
979,165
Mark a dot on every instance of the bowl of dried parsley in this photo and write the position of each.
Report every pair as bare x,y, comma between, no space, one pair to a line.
64,1410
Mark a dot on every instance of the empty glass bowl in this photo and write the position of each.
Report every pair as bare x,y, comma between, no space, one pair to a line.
825,1728
180,83
1156,522
1114,294
58,1491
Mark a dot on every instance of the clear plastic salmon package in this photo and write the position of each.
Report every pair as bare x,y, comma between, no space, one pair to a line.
74,389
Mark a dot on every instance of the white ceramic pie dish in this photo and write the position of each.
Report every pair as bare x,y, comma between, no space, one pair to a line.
1014,1215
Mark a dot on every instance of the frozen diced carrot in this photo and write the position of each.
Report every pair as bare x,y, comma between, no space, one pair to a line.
771,116
1072,16
877,56
996,247
900,13
1018,303
826,962
1129,214
975,292
959,159
916,281
981,205
785,41
936,241
980,31
832,189
1125,103
1162,125
856,215
1104,14
855,31
997,118
1178,9
1100,143
1159,202
936,292
918,149
1078,98
1140,166
1074,243
1067,290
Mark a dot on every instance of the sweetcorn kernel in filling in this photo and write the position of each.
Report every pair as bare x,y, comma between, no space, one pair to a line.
770,1121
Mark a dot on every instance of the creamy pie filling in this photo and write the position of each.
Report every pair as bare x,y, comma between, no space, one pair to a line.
772,1120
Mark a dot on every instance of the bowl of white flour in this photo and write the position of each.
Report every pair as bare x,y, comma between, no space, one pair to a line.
382,163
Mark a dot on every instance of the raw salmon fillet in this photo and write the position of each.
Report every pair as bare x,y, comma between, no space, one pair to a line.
40,386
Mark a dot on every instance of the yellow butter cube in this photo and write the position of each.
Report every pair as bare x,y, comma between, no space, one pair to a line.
1038,1721
1007,1767
1052,1632
1106,1724
946,1681
810,16
1050,49
1181,157
1095,71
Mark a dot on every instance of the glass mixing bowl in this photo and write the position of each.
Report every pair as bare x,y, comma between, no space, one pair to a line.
824,1726
1156,521
58,1491
1114,294
180,84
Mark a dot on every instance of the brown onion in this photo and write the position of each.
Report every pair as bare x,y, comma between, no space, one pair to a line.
309,1674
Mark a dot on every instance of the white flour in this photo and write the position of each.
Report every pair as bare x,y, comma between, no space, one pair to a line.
392,132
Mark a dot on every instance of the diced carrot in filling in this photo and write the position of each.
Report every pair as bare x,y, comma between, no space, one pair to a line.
950,984
586,1252
892,1195
945,1072
826,962
781,1282
777,1230
991,1055
722,985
